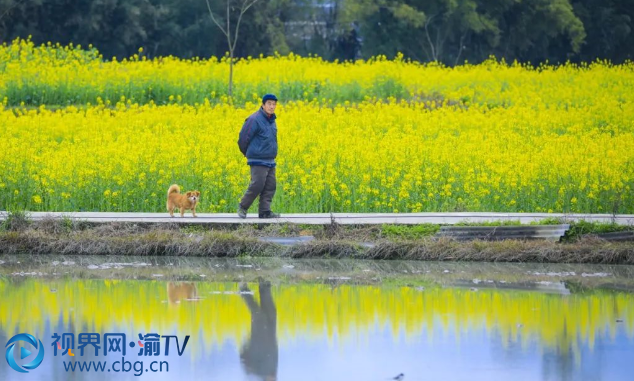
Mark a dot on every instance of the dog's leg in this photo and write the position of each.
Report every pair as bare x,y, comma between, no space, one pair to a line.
182,211
194,211
171,210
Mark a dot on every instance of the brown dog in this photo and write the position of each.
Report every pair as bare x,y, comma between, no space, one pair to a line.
183,202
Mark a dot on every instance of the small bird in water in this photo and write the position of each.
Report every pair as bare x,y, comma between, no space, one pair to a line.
400,377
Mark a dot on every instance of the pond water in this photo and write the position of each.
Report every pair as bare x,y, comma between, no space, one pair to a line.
279,319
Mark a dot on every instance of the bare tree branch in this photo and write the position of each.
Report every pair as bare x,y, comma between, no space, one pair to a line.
431,44
232,41
245,7
215,21
438,52
229,29
461,48
10,8
425,50
444,39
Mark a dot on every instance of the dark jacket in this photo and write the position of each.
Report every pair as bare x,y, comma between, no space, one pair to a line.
258,137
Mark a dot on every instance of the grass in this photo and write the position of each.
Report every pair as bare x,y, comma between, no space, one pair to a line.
387,242
578,229
14,221
409,231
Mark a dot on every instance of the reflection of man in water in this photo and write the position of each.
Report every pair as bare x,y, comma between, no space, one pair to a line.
259,354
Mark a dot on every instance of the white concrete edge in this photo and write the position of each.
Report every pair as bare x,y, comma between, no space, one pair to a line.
325,218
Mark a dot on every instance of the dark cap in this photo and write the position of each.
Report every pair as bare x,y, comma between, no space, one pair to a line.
269,97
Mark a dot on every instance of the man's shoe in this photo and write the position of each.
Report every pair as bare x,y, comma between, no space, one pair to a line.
242,213
269,214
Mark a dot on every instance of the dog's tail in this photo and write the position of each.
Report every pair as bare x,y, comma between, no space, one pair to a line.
173,189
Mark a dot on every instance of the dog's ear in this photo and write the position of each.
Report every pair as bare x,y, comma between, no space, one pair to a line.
197,193
188,194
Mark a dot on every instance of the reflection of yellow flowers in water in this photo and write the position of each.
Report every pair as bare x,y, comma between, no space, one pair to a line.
553,321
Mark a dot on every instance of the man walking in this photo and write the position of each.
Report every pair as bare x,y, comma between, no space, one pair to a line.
258,142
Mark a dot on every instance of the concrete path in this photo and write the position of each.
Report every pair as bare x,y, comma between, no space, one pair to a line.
326,219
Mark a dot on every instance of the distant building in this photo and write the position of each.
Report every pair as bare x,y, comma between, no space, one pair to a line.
314,22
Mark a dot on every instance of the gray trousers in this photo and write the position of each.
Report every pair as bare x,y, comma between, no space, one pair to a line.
262,184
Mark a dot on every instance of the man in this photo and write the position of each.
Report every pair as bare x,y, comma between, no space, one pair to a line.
258,142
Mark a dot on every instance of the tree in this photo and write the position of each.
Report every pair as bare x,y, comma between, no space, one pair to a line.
447,31
536,30
449,26
232,38
426,30
610,28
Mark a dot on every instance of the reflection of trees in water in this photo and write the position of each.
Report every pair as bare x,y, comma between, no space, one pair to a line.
564,362
260,353
4,370
559,363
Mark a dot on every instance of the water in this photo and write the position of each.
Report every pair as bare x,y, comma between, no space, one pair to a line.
324,320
